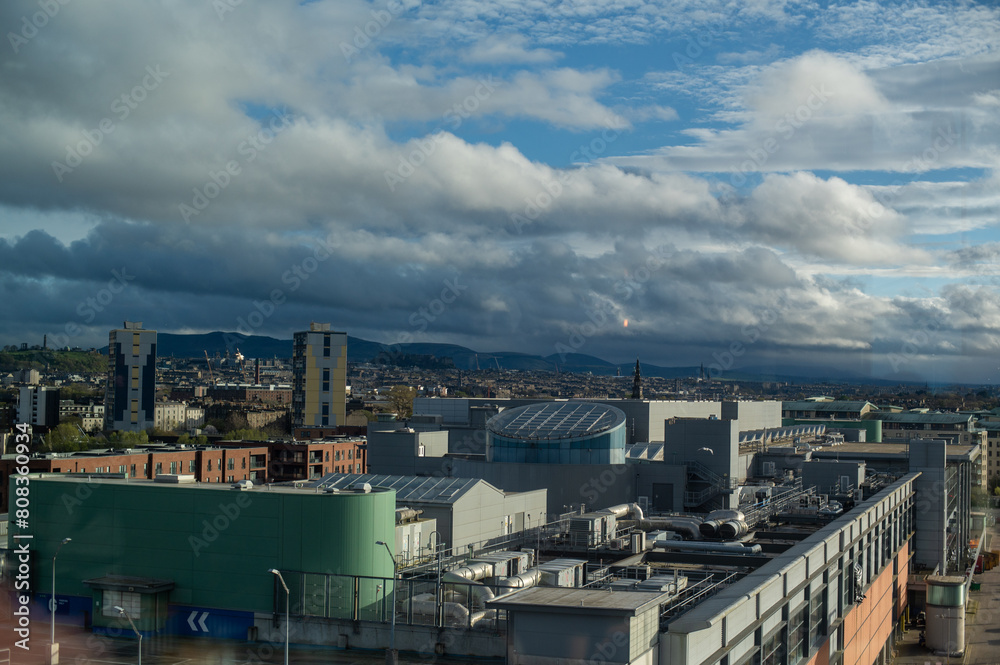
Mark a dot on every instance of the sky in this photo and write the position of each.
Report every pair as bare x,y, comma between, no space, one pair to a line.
741,184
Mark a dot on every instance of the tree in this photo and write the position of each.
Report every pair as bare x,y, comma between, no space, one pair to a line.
123,439
67,438
401,400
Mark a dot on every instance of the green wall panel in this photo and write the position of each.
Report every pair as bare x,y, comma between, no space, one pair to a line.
193,536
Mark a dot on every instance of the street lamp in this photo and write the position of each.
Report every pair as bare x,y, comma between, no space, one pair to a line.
437,591
282,580
391,655
53,649
123,613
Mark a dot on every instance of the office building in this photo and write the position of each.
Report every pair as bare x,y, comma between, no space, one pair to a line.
130,397
39,406
319,383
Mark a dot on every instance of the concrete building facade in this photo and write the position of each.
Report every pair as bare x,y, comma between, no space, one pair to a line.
130,394
319,383
38,406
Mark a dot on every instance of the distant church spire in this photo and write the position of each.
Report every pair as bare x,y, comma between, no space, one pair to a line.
637,382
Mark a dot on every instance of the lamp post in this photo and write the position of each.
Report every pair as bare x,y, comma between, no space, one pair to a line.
438,614
281,579
391,656
123,613
54,648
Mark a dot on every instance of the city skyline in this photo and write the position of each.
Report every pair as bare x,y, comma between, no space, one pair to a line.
787,184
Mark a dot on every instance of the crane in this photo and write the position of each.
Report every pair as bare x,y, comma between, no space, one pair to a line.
209,362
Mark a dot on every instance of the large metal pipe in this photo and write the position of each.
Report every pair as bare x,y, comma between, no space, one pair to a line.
686,525
733,529
475,570
623,509
722,548
709,528
526,579
404,515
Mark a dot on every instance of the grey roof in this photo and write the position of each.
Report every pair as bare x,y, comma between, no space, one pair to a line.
409,489
556,420
835,406
988,426
933,418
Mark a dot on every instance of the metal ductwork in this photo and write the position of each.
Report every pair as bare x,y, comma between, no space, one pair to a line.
404,515
526,579
731,529
709,528
623,509
473,571
686,525
719,548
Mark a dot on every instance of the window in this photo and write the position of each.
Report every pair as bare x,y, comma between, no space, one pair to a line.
173,467
817,617
159,468
127,600
209,465
192,466
243,462
350,454
798,648
336,455
231,464
328,456
121,469
773,649
132,472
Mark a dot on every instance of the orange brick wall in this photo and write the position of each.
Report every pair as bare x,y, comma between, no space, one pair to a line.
868,626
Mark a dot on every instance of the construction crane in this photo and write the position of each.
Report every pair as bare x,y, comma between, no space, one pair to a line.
209,363
241,360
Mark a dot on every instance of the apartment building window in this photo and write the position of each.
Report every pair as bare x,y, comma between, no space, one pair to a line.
231,464
336,455
209,465
132,472
145,470
326,346
328,456
243,462
232,478
121,469
350,454
192,466
159,468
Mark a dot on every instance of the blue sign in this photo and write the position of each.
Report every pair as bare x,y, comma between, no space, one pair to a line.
207,622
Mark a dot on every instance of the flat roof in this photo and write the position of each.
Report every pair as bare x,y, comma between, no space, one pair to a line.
837,405
925,418
589,601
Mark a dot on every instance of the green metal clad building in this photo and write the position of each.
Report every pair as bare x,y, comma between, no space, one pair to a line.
194,558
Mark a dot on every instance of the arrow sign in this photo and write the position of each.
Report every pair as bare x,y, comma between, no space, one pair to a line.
201,622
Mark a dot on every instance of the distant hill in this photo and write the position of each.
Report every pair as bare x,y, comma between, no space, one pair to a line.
362,350
77,362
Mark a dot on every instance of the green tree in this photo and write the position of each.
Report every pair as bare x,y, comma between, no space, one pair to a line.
67,438
248,435
401,400
123,439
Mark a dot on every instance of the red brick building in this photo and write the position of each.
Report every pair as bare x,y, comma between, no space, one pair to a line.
208,464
